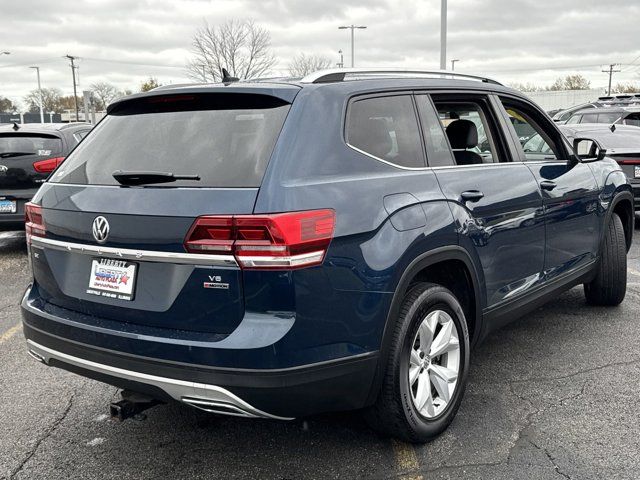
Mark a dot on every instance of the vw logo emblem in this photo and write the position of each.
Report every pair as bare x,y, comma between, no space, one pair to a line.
100,229
4,169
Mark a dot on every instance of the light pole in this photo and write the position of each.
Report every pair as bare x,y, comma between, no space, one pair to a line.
40,94
453,64
73,73
352,28
443,34
5,53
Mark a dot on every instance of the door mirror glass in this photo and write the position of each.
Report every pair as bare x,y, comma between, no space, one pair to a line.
588,149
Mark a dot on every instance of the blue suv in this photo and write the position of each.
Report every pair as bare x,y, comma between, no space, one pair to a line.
286,247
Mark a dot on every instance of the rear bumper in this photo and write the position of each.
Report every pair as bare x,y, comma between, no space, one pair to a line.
21,197
333,385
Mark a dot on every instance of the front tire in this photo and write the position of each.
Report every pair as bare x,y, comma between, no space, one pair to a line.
609,286
426,369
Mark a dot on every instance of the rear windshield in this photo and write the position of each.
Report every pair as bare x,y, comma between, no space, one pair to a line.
620,140
18,144
225,139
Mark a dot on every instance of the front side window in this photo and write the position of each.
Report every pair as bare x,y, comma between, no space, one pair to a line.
386,128
540,143
574,119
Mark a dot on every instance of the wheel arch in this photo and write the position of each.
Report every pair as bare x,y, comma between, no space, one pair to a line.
622,205
429,267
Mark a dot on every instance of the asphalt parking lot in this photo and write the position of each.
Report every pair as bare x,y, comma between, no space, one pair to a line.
554,395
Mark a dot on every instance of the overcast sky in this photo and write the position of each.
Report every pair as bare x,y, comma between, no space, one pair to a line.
126,41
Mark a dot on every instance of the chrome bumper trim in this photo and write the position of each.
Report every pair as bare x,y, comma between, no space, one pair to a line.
200,395
140,255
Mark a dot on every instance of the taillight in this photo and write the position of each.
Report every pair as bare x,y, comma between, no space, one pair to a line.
48,165
34,225
629,161
274,241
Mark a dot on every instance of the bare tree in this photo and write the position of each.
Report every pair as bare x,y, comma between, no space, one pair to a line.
104,94
303,64
626,88
240,46
525,87
50,100
570,82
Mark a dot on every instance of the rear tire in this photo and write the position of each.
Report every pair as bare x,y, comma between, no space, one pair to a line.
426,369
609,286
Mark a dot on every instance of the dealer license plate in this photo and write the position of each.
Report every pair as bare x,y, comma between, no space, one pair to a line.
112,278
7,206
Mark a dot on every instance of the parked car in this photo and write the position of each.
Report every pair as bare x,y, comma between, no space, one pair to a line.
282,248
622,144
563,115
28,154
617,115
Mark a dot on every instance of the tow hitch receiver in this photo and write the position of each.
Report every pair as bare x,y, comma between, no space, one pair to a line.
132,404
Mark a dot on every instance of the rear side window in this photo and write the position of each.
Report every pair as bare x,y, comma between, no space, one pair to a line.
608,117
18,144
589,118
225,139
387,129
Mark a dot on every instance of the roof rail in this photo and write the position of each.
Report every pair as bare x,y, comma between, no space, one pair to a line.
339,74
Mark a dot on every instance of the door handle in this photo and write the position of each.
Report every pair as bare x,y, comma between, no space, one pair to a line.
547,185
471,196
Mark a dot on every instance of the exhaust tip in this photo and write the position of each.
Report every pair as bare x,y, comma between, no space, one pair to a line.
37,356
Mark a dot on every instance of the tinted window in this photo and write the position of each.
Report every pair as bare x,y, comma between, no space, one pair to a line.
226,139
386,128
439,153
29,144
589,118
633,119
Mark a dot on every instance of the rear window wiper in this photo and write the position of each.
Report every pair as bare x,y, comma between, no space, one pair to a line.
14,154
145,178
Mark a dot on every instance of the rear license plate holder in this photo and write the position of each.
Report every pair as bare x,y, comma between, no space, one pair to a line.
112,278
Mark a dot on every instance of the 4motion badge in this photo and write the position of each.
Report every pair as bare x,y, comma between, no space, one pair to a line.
215,281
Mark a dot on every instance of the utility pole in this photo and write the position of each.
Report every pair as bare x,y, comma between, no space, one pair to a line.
453,64
75,93
443,34
40,94
611,71
352,28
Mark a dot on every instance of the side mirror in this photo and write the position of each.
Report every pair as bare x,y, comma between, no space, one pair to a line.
588,149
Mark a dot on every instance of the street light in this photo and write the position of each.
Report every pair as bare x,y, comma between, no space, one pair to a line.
453,64
5,53
352,28
40,93
443,34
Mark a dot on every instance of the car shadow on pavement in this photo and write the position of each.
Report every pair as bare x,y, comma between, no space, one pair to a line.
12,241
